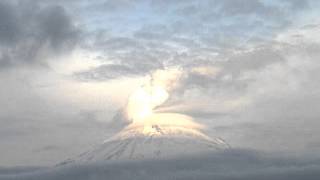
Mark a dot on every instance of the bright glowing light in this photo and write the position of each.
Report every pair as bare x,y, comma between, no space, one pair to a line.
154,93
139,105
143,101
158,96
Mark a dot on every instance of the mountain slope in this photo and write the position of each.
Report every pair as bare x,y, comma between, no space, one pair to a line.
158,138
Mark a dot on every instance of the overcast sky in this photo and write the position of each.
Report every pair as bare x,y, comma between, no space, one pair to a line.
251,71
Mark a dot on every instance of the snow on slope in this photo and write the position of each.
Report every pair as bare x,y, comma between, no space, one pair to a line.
159,138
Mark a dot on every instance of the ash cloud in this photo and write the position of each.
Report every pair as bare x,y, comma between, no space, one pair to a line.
30,33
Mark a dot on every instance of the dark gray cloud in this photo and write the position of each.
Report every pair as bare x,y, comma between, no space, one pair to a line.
107,72
114,71
30,33
126,57
234,164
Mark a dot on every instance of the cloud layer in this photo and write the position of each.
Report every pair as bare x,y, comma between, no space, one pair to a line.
235,164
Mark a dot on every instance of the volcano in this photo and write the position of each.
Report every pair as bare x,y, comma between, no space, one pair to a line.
163,136
151,134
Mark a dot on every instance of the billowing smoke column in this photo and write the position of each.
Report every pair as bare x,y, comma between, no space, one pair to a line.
142,102
152,94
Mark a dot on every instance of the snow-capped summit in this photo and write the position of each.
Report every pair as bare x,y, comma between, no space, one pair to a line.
163,136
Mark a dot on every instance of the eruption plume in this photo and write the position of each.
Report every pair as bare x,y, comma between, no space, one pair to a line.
151,95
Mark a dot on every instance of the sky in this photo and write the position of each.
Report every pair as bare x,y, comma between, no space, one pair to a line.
250,72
